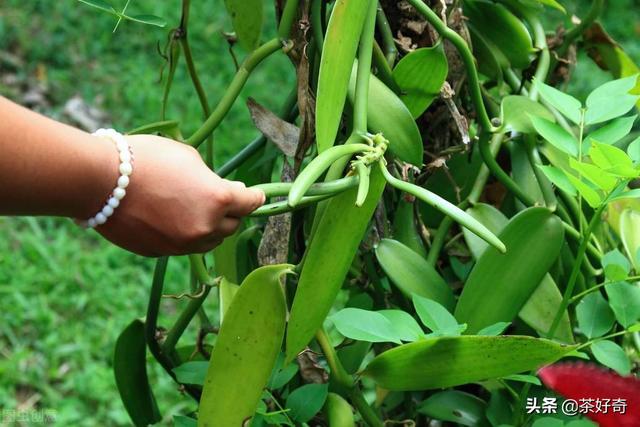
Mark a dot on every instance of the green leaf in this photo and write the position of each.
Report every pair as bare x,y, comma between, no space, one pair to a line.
533,238
492,218
327,261
523,378
387,114
612,159
100,4
364,325
405,228
631,194
541,308
594,315
404,326
454,406
247,347
624,300
516,112
590,195
634,328
421,74
489,58
148,19
338,54
611,132
306,401
495,329
630,236
565,103
182,421
226,292
633,151
412,274
558,178
246,18
338,411
611,100
451,361
191,372
602,179
611,355
616,266
555,135
554,4
503,29
130,369
281,376
436,317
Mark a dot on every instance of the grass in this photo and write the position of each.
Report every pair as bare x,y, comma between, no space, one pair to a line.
65,294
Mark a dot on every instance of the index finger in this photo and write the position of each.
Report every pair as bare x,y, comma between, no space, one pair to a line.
243,200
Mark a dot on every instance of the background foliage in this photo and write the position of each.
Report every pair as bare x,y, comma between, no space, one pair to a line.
64,293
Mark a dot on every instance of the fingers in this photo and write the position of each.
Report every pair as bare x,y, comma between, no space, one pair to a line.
227,226
243,200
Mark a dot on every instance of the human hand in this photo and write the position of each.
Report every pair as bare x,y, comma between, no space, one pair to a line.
175,204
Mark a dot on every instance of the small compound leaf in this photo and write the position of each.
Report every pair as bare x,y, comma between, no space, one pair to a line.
611,132
364,325
590,195
405,327
616,266
612,356
154,20
306,401
495,329
630,235
600,178
454,406
611,100
450,361
246,18
612,159
633,150
624,300
566,104
516,112
595,317
555,135
436,317
523,378
420,75
129,366
558,178
100,4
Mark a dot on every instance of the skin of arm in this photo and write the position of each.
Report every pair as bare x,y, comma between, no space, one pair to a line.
174,203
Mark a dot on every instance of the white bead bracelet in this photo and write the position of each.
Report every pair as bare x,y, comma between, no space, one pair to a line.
125,168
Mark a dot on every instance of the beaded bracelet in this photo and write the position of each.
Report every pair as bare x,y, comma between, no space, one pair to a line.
125,168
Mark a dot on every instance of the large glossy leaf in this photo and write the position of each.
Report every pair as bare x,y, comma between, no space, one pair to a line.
455,406
490,59
387,113
502,28
129,366
338,411
247,347
516,112
420,75
338,54
226,292
327,261
541,307
451,361
246,17
499,285
630,235
412,274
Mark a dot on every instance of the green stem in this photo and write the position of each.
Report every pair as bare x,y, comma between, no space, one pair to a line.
606,337
385,73
575,32
316,24
174,54
361,104
287,18
574,271
344,380
388,43
200,270
232,92
577,297
540,42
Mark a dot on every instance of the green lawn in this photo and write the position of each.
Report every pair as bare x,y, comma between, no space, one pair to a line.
65,294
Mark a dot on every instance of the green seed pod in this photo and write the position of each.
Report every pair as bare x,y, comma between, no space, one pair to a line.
363,185
338,411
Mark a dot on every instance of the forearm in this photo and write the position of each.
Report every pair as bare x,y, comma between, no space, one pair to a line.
49,168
